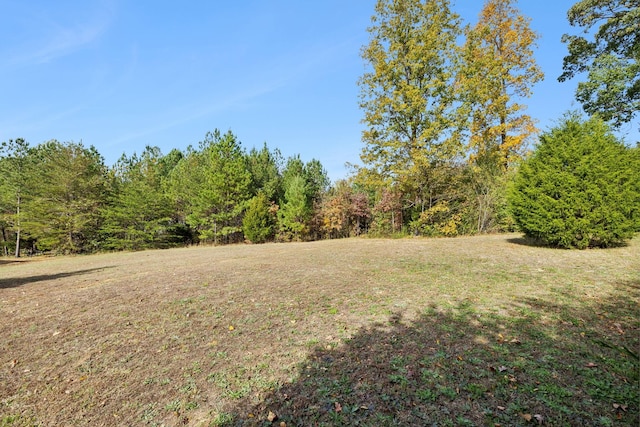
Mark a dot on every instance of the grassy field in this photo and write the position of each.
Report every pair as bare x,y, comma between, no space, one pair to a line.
437,332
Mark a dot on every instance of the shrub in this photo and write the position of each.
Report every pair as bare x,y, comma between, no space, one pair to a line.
579,188
258,223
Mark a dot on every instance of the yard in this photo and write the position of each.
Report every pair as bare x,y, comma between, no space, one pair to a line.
484,330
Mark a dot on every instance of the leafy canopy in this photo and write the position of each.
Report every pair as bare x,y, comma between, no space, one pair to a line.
407,97
611,58
498,70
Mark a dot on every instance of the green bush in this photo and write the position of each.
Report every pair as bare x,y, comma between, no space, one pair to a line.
258,223
580,187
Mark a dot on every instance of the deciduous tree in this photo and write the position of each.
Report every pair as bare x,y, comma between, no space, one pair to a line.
407,96
498,71
611,58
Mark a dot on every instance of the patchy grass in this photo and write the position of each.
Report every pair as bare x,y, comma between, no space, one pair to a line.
449,332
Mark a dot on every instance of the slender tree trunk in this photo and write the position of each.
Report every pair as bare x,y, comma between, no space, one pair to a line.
18,229
5,249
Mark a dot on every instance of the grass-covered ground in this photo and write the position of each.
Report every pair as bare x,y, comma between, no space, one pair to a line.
447,332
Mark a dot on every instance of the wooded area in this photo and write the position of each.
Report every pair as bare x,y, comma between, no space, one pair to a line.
446,131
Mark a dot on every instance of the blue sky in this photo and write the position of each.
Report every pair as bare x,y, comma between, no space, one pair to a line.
120,75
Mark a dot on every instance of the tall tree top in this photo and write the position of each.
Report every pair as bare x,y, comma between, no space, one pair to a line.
611,57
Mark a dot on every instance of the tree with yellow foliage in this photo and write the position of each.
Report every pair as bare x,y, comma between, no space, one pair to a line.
406,95
498,69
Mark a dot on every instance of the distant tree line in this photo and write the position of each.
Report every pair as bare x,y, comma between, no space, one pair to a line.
61,197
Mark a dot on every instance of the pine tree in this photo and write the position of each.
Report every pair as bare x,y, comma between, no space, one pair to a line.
211,187
295,211
139,215
14,188
69,192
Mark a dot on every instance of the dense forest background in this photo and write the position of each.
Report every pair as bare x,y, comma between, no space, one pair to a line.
446,131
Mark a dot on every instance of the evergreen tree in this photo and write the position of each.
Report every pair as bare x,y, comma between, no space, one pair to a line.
14,189
259,220
69,192
579,188
139,215
211,187
295,211
264,167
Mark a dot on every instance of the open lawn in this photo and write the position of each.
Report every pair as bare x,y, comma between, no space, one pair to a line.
437,332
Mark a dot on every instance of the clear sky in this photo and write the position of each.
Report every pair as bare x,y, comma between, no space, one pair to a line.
123,74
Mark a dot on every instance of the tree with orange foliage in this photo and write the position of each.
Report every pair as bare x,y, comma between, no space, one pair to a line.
498,69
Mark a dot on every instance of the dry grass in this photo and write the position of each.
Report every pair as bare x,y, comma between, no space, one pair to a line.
466,331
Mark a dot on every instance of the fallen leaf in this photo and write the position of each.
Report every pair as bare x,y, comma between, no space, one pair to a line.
515,341
271,417
283,424
502,368
620,407
526,417
231,328
14,362
501,408
338,407
539,417
590,365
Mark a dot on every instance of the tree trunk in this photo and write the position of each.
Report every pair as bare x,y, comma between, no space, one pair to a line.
5,249
18,229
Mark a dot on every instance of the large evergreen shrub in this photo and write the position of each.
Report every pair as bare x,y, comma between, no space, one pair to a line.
258,223
579,188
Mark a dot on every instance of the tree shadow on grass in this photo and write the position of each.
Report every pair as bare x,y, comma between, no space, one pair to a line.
543,363
9,261
538,243
19,281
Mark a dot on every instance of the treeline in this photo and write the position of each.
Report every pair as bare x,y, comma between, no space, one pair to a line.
60,197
